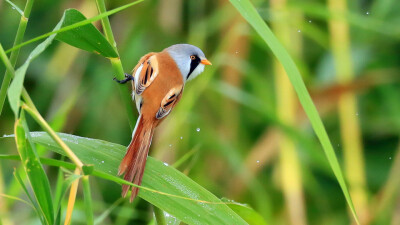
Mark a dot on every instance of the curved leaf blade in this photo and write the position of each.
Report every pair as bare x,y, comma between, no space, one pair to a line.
85,37
106,156
247,10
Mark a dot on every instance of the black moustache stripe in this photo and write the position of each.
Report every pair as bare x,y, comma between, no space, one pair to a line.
193,64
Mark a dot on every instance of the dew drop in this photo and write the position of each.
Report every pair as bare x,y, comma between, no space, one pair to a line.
258,161
298,31
309,21
198,129
170,145
102,161
367,13
390,158
181,137
13,7
165,164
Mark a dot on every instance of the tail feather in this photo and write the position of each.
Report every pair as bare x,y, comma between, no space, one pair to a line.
135,158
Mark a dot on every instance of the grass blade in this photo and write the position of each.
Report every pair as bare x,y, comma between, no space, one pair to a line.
247,10
15,89
88,200
34,203
14,54
34,170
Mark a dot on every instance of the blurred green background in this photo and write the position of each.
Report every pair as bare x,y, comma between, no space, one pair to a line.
251,140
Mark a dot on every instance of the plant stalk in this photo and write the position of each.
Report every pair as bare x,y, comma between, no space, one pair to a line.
39,119
116,64
14,54
71,198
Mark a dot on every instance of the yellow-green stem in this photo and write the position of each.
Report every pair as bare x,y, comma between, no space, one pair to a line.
39,119
347,106
286,109
71,199
14,54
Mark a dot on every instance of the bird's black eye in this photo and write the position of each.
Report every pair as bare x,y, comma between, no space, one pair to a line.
192,57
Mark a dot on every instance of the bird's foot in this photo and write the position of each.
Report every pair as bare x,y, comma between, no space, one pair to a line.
128,77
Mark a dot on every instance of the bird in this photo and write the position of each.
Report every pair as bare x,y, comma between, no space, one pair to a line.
158,81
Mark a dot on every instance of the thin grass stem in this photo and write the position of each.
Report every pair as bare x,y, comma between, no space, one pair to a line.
14,54
39,119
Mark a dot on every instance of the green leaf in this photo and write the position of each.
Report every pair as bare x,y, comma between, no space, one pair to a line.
34,203
106,156
34,170
73,26
85,37
15,89
248,11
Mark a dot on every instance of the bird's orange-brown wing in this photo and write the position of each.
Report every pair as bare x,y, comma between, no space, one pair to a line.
145,72
169,101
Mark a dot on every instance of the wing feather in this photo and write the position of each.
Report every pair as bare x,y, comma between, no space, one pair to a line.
169,102
145,72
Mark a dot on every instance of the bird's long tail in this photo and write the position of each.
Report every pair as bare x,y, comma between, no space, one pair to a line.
134,162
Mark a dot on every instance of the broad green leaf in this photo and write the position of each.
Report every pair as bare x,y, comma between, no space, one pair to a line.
85,37
34,170
15,89
106,156
247,10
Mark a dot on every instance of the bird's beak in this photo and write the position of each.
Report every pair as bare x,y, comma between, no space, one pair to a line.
205,62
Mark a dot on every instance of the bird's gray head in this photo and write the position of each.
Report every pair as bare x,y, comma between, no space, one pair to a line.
190,60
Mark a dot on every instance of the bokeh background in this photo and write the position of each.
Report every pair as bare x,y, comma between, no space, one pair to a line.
249,138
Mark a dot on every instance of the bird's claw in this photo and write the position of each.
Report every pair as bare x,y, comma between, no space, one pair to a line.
128,77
